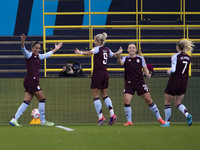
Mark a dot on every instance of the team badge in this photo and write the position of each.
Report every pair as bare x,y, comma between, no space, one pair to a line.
138,60
38,87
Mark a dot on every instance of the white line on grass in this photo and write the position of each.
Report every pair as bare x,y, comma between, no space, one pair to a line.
65,128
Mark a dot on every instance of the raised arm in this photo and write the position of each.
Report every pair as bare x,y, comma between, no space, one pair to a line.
77,51
118,53
25,52
119,59
23,38
48,54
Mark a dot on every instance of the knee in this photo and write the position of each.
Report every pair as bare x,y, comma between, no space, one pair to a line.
127,101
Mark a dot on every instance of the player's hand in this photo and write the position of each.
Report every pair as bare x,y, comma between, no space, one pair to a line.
168,71
148,76
58,46
77,51
23,37
120,50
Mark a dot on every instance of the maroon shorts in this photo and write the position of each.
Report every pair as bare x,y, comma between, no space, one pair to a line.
31,85
131,87
99,80
176,87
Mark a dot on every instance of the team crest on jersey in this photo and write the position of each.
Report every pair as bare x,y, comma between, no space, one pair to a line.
129,60
138,60
38,87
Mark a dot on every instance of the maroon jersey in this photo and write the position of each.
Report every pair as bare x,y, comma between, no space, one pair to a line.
180,66
101,55
100,78
133,68
33,66
177,84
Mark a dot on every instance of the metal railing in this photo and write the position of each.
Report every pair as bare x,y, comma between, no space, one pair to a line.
137,27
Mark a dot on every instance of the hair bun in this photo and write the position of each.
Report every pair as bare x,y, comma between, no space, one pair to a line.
104,35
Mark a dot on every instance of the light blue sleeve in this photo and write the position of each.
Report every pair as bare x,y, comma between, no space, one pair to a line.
46,55
111,53
26,53
143,62
95,50
174,62
123,58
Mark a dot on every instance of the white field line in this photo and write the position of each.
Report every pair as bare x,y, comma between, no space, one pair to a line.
65,128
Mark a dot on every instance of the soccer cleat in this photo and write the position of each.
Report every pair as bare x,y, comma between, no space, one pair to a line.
112,119
129,123
165,125
100,122
49,124
161,121
15,123
189,120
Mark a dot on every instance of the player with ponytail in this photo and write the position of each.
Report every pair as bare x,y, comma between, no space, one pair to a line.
177,84
100,77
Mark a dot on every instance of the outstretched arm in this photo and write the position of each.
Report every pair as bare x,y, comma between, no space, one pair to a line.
57,47
48,54
77,51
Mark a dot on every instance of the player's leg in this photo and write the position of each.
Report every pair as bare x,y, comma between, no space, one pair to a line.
27,99
109,105
168,101
182,108
152,106
98,105
41,106
127,108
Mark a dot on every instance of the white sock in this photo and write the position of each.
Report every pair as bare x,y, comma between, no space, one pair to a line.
98,107
21,110
109,105
183,109
168,113
128,112
155,110
41,107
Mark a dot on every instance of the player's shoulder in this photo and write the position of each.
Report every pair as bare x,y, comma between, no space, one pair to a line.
138,56
125,57
175,55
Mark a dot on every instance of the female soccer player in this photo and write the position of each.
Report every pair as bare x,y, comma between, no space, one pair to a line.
99,80
31,81
177,84
134,81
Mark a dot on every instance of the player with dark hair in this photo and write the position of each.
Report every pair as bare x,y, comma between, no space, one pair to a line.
31,81
178,81
99,80
134,81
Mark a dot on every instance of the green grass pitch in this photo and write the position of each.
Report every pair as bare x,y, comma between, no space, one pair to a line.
93,137
69,103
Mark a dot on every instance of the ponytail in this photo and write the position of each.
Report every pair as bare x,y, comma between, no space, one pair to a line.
101,37
185,46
